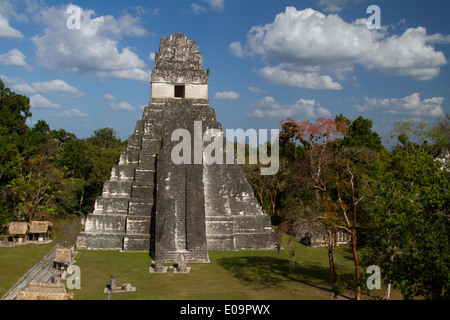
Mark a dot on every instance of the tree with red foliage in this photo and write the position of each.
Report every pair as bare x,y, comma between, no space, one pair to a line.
319,140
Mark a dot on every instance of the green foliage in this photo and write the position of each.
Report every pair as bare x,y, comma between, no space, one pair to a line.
360,134
34,196
48,173
14,111
89,162
409,227
105,138
421,136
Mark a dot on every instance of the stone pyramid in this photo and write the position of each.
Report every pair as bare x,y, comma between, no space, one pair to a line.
152,204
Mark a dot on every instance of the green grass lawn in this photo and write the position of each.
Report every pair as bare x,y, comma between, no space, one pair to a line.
231,275
16,261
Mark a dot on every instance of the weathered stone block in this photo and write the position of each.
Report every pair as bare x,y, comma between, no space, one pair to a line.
117,188
144,175
142,189
151,145
129,157
111,205
100,241
105,223
134,142
219,225
147,160
138,225
221,242
254,241
122,173
140,207
135,242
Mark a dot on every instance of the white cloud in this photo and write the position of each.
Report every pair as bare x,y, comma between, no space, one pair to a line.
14,58
303,108
236,49
310,38
156,12
408,55
46,87
93,48
226,95
140,10
217,5
11,81
197,9
23,88
39,102
9,9
300,39
72,113
8,32
256,90
125,25
108,97
439,38
297,79
411,106
57,86
323,113
121,106
136,74
336,5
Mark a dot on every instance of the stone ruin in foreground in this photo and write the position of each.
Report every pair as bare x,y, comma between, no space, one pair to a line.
150,203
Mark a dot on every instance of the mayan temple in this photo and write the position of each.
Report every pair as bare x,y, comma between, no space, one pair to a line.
152,204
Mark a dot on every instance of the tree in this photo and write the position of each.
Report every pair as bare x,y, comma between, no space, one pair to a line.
47,173
421,136
360,134
267,188
413,135
89,162
440,134
351,164
35,196
318,140
14,111
38,190
77,157
408,231
105,138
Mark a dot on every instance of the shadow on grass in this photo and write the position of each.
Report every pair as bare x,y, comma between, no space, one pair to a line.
267,272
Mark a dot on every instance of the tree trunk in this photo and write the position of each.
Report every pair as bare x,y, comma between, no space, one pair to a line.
81,201
387,293
332,270
331,259
356,263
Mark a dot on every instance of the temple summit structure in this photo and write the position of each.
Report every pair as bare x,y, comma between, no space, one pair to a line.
152,204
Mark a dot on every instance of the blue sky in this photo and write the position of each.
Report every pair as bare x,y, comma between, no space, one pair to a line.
269,59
